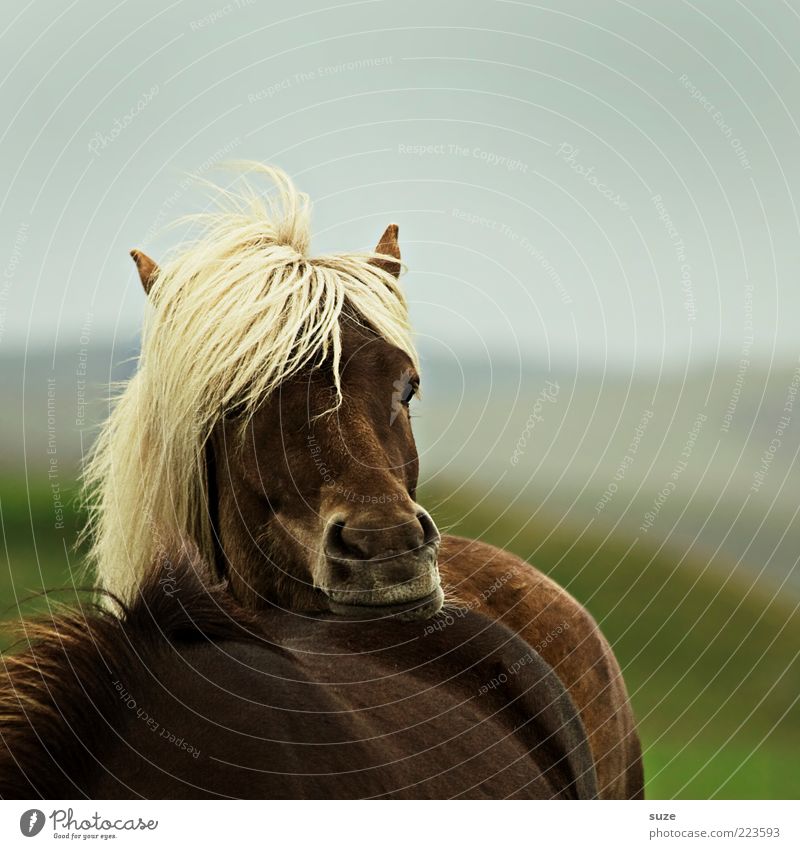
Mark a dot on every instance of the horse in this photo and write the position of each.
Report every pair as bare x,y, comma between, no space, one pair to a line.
183,693
268,423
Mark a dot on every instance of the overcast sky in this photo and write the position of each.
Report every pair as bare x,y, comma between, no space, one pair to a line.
576,180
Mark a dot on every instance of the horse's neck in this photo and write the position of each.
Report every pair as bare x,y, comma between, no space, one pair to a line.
212,494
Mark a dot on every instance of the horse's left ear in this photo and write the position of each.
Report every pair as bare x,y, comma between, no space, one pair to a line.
389,247
148,269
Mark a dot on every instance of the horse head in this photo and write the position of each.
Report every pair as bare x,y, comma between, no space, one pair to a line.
309,462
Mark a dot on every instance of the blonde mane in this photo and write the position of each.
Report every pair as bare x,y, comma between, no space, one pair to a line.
235,313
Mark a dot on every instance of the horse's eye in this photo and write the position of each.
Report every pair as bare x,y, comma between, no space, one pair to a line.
408,392
403,390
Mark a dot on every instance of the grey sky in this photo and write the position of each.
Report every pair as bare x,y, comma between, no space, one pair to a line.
518,146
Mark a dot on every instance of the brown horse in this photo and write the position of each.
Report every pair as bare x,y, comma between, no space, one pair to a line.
269,424
187,695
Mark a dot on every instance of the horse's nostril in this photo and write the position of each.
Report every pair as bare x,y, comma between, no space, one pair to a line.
360,543
335,545
335,531
363,538
430,533
347,542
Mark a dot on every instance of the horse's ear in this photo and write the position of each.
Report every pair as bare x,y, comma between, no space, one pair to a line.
148,270
389,247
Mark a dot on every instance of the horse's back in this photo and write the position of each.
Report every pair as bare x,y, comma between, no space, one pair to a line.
327,709
189,696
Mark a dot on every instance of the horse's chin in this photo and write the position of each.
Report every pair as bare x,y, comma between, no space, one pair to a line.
405,611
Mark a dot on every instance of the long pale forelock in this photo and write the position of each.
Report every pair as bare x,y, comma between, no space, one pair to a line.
234,315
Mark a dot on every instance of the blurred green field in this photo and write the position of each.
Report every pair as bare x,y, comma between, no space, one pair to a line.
37,555
710,660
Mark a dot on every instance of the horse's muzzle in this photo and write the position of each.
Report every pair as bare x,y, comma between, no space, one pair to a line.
402,585
378,565
421,608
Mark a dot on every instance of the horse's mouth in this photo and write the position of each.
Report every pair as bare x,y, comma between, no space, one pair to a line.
405,611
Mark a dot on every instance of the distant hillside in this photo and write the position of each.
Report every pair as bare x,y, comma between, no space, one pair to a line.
687,460
661,457
53,401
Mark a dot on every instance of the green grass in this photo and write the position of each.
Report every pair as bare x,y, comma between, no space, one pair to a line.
711,661
37,557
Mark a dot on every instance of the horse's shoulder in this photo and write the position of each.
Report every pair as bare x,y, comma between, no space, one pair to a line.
501,580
